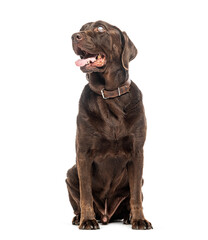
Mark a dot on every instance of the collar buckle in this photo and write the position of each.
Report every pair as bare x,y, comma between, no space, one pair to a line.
119,92
102,93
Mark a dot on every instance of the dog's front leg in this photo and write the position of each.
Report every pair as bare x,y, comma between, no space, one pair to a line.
87,220
135,170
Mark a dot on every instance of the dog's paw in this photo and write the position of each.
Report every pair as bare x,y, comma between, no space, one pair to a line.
89,225
76,220
141,224
127,219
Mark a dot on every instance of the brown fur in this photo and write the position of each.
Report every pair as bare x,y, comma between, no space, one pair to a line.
105,184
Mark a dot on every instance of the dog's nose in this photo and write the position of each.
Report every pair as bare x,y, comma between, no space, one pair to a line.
76,37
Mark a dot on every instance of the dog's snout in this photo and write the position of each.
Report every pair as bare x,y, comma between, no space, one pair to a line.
76,37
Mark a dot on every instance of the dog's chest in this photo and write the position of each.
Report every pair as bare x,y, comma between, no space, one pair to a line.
111,123
104,148
114,133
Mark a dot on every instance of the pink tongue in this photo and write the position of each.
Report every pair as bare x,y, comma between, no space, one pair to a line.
83,62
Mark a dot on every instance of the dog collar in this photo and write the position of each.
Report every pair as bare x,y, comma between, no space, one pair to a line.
125,88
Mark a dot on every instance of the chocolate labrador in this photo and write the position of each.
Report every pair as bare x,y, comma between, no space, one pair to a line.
105,184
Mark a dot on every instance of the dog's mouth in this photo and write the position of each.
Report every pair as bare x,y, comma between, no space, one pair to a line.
90,60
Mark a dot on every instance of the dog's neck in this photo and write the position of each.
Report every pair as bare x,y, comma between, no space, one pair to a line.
109,80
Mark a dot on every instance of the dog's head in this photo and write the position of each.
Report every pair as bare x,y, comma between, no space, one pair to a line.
100,44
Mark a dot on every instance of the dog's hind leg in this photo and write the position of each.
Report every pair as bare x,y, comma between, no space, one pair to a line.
72,183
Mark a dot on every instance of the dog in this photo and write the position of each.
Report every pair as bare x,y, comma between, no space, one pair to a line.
105,184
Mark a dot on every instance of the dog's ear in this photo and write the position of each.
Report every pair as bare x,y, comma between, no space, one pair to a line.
86,26
129,51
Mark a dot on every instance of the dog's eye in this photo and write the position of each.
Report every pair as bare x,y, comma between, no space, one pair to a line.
100,29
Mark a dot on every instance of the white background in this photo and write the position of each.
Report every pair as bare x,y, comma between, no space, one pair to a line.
39,93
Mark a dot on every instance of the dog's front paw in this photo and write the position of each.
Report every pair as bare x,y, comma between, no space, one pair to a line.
127,219
141,224
89,225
